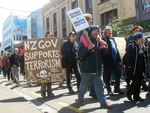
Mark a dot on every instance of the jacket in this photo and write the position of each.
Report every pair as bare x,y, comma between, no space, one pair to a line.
14,60
7,63
108,58
91,61
69,51
132,55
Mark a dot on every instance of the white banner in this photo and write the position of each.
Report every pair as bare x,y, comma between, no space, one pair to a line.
77,19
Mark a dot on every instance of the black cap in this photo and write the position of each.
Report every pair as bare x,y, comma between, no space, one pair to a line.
72,32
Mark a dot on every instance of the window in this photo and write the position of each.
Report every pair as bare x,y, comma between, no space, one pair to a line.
74,4
107,17
47,23
55,18
64,32
88,4
55,34
63,10
101,1
145,6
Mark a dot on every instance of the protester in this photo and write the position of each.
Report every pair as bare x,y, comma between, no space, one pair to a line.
135,66
92,69
22,67
8,67
46,87
64,65
69,54
124,59
14,61
3,61
112,62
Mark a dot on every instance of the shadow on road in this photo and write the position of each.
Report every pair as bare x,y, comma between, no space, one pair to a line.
18,99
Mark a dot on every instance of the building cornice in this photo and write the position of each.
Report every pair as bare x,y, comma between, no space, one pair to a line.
52,3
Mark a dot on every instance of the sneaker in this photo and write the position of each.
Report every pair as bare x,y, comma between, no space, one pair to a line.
106,106
43,95
118,91
71,91
81,101
110,93
51,95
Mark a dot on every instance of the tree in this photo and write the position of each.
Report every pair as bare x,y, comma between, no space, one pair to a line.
115,24
122,31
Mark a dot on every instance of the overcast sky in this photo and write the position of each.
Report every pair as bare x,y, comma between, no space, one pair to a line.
24,5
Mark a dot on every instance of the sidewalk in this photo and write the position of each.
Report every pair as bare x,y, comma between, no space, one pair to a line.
12,103
65,103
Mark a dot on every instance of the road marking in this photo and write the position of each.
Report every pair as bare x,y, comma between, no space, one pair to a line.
36,94
71,107
21,87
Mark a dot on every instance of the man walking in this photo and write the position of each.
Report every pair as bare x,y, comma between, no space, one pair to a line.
14,61
91,68
69,54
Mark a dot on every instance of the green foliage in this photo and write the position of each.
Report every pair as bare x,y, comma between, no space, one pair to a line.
121,30
144,24
115,24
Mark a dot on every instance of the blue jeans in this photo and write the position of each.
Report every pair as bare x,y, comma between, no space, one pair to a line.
87,78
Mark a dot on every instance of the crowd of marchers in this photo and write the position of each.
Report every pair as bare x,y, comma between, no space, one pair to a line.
93,57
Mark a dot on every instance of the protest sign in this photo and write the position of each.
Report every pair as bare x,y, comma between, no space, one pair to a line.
42,58
77,19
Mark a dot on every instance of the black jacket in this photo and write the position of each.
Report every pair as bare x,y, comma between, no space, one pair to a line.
14,60
132,58
91,61
108,58
69,51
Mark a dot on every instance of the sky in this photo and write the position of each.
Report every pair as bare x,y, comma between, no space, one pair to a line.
23,5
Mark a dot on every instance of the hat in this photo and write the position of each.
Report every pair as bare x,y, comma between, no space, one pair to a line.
16,49
141,28
72,32
93,27
137,35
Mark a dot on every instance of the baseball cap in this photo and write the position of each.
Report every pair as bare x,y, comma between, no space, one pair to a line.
16,49
72,32
137,35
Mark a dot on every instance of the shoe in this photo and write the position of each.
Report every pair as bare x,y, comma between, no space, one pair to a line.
43,95
110,93
81,101
51,95
129,97
71,91
106,106
139,99
61,86
118,91
94,97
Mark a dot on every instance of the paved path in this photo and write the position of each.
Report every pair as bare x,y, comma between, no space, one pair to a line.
65,103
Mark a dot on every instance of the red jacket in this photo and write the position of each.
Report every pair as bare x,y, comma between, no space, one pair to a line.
3,60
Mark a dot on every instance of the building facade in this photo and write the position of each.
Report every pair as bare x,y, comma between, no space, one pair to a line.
142,10
103,11
35,24
143,15
14,31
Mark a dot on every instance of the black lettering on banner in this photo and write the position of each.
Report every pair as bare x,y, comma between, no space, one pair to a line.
74,14
79,22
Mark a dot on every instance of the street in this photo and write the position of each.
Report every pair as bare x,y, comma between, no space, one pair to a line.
25,98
